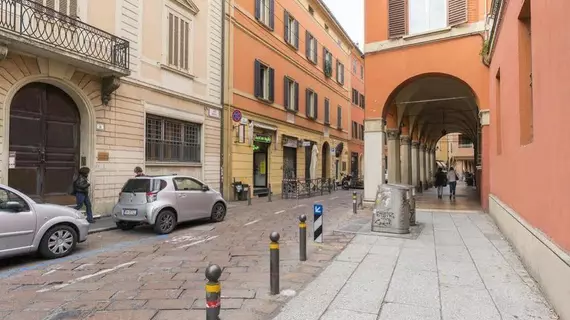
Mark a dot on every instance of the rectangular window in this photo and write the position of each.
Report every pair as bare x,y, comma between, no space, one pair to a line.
312,104
327,63
66,7
264,81
327,112
339,117
339,72
264,12
362,132
311,10
354,66
361,101
311,47
171,140
525,74
291,30
354,96
178,41
465,142
498,115
426,15
354,130
362,72
291,94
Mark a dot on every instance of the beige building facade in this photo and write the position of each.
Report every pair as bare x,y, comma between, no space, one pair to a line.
108,84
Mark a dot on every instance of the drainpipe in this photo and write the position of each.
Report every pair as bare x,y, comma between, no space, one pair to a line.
222,97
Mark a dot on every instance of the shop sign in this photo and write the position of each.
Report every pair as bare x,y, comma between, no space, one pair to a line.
262,139
306,143
290,142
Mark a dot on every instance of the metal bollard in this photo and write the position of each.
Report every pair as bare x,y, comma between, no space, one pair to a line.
269,195
302,238
249,196
213,292
274,262
354,202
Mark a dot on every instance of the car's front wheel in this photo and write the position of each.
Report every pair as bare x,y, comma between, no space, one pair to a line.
58,242
165,222
218,212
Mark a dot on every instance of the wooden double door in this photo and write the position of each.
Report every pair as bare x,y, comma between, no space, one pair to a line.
44,140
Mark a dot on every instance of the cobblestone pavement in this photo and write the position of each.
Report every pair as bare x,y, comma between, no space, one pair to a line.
137,275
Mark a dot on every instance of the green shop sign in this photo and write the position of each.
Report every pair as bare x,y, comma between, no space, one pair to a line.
262,139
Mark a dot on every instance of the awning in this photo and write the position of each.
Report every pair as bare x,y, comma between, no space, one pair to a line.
264,126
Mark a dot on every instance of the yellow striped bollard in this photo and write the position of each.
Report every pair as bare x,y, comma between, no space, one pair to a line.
274,262
213,292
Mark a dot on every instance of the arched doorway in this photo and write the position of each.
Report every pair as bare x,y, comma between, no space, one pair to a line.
44,139
325,155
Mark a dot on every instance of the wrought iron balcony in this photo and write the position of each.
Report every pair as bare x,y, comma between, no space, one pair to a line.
27,23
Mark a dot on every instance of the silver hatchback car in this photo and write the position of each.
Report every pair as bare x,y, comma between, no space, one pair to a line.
164,201
27,226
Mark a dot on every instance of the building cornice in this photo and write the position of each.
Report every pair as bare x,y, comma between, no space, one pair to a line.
466,30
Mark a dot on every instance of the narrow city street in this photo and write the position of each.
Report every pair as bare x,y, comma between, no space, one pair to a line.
138,275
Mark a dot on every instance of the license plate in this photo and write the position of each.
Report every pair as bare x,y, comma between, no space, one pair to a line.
129,212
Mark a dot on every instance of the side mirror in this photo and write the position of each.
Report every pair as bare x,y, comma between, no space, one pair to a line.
14,206
205,188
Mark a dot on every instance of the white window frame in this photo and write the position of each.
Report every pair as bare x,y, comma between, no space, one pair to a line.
427,15
264,81
339,72
292,30
312,104
187,16
292,95
264,12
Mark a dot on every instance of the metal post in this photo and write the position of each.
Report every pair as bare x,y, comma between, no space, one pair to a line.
213,292
302,238
270,193
322,185
274,262
249,196
354,202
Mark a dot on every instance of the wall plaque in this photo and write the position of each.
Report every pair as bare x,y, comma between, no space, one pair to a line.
103,156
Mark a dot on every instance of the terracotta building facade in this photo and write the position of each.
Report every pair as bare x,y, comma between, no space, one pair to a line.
122,94
493,73
288,89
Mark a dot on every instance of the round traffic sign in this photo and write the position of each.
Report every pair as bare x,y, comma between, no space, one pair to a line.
236,116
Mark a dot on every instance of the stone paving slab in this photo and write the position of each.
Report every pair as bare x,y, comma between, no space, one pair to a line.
163,278
459,268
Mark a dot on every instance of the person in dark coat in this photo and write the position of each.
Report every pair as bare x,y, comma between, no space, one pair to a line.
81,190
440,178
139,172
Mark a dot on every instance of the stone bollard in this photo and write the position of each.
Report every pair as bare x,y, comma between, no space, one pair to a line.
354,202
274,263
302,238
213,292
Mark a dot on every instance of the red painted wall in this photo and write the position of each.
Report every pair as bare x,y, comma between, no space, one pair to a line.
534,179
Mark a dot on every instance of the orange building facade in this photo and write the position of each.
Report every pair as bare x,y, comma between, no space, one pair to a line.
357,99
424,79
287,93
482,70
528,52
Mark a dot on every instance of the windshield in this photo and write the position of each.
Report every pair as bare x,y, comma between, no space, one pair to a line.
137,185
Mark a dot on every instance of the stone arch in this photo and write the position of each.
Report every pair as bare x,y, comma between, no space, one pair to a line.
84,106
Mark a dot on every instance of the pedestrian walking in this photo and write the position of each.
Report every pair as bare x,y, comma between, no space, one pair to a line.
139,172
440,182
81,191
452,181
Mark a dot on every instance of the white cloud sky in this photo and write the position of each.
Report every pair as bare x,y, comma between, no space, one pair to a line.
350,14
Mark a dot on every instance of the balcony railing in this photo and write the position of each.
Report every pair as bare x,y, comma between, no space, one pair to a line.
35,22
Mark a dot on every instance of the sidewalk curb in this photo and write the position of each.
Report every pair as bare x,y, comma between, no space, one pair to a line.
98,230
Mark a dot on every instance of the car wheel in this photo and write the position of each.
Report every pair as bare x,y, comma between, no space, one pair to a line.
124,225
218,212
57,242
165,222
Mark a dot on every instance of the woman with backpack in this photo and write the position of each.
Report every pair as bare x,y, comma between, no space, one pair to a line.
452,180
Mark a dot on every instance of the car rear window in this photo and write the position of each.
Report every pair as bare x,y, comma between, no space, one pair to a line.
137,185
